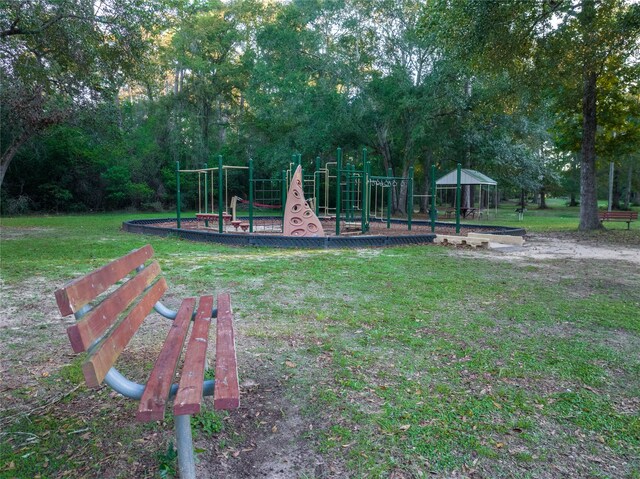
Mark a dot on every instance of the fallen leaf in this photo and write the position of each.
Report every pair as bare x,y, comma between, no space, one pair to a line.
499,444
236,454
405,427
274,429
290,364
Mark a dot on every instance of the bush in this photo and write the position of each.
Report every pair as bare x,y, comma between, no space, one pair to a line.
139,193
154,206
122,192
55,198
17,206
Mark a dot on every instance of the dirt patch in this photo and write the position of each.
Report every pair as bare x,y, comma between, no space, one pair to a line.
569,247
9,233
265,437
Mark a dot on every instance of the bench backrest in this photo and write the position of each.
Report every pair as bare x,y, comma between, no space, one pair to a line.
109,320
631,215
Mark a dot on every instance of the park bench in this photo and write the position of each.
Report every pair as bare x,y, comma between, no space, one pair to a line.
626,216
111,303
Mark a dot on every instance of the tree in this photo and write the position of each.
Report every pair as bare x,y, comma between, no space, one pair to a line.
58,56
582,41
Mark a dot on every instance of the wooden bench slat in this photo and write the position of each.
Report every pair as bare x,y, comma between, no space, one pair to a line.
72,296
189,397
156,392
622,215
100,361
226,393
92,326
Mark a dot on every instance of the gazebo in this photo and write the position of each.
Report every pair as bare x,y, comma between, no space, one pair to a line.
470,178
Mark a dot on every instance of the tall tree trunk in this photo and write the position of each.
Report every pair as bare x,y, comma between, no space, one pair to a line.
403,201
426,200
118,110
543,200
466,196
588,188
572,199
523,201
385,149
588,184
10,153
617,194
204,125
627,196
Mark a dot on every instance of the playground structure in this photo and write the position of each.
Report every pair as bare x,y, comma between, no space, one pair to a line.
343,193
299,219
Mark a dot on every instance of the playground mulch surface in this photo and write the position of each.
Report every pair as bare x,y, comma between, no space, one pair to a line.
271,227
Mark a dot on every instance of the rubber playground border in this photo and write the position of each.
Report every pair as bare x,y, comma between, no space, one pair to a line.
149,227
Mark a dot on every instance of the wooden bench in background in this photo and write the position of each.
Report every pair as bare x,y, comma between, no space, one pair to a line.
107,319
626,216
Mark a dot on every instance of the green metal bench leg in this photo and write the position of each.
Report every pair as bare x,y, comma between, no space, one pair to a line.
186,461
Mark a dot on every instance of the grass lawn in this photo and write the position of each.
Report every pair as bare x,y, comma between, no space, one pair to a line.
398,362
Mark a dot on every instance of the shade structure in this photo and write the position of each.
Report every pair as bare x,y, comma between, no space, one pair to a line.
471,178
468,177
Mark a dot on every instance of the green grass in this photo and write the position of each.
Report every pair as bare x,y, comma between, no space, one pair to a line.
414,360
556,217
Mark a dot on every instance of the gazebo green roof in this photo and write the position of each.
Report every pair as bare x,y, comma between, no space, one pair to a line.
468,177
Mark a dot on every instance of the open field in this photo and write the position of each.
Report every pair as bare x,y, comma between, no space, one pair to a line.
399,362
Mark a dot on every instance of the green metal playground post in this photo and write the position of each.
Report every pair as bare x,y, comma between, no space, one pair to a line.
206,193
410,199
178,193
338,177
250,195
220,196
433,198
283,198
352,198
368,195
458,195
348,206
389,197
316,178
365,205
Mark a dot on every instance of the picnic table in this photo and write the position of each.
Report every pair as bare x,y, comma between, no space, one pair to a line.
464,212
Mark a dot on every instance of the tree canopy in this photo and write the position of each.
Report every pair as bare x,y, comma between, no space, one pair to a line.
105,98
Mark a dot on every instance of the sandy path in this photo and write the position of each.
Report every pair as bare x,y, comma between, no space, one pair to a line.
540,247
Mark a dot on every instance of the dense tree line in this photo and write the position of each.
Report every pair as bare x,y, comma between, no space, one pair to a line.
99,102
